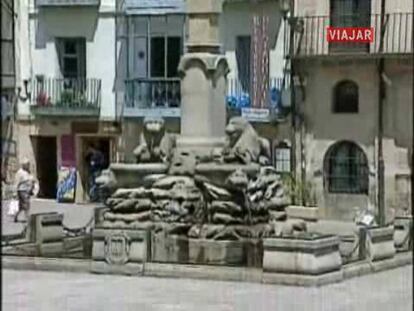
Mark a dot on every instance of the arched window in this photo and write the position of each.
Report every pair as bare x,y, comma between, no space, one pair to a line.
346,169
345,99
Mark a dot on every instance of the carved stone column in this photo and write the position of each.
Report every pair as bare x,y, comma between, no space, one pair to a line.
203,86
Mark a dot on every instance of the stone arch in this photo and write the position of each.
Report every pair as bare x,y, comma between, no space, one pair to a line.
346,169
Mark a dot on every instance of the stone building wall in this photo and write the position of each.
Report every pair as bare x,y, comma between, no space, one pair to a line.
324,128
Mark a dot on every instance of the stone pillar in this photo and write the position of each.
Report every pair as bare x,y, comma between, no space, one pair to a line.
203,86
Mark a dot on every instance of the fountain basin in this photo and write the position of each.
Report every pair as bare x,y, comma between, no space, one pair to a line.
217,173
309,255
132,175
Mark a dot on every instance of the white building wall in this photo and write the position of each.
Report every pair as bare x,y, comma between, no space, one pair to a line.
236,20
324,128
38,51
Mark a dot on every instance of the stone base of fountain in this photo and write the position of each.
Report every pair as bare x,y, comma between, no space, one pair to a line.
182,250
307,254
120,251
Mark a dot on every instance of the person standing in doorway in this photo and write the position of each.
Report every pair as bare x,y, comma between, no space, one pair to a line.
25,186
95,162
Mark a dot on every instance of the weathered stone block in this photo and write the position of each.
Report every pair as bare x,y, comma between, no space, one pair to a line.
303,212
380,243
302,255
46,227
120,251
169,248
403,233
216,252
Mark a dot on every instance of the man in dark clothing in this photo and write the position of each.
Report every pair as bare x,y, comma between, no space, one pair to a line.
95,161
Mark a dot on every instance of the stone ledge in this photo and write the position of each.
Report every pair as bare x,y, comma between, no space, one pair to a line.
366,267
203,272
46,264
212,272
301,279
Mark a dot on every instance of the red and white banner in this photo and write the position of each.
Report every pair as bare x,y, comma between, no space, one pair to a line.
260,63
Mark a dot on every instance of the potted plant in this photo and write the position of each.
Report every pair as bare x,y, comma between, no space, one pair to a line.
42,99
66,98
304,200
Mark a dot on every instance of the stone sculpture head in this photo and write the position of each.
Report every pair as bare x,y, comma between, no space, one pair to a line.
235,129
154,124
107,182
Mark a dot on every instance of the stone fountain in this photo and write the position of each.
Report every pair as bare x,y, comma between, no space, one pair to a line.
203,195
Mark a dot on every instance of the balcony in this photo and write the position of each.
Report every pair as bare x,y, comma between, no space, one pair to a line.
239,102
77,97
311,35
148,96
57,3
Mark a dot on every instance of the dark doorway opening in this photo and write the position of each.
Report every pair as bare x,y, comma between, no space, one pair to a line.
103,145
45,149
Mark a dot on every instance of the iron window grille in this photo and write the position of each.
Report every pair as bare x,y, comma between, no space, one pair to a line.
282,158
347,169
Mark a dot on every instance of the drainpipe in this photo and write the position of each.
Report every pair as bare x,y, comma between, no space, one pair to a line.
291,21
381,98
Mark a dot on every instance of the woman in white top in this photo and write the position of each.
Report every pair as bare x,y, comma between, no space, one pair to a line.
25,185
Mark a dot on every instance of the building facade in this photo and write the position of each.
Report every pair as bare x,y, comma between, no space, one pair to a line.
151,38
91,70
68,100
9,54
355,95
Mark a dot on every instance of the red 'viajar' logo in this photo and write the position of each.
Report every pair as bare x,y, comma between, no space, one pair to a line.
350,34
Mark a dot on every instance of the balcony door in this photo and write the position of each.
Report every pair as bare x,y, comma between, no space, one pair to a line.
350,13
72,61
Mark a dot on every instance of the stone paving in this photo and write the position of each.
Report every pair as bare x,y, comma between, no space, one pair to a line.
75,215
51,291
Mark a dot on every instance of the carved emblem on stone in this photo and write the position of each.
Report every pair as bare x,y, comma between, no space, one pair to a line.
117,248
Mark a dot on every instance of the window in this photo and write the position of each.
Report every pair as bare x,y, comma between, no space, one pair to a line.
243,45
350,13
345,97
282,158
346,169
165,56
72,55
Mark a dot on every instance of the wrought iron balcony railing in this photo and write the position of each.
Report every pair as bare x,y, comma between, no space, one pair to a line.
54,3
311,34
66,97
239,98
145,94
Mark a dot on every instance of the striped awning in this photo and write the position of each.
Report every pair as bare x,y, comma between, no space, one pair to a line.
153,7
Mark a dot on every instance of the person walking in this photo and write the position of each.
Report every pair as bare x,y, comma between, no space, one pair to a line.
25,185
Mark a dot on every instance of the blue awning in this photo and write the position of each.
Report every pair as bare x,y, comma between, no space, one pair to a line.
154,7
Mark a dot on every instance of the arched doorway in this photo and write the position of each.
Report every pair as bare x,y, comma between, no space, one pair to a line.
346,169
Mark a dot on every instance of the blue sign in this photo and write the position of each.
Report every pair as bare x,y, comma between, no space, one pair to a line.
66,184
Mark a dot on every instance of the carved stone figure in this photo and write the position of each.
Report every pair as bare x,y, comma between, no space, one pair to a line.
106,183
244,145
155,143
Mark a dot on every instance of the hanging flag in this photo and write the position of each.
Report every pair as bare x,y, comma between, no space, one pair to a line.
260,63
